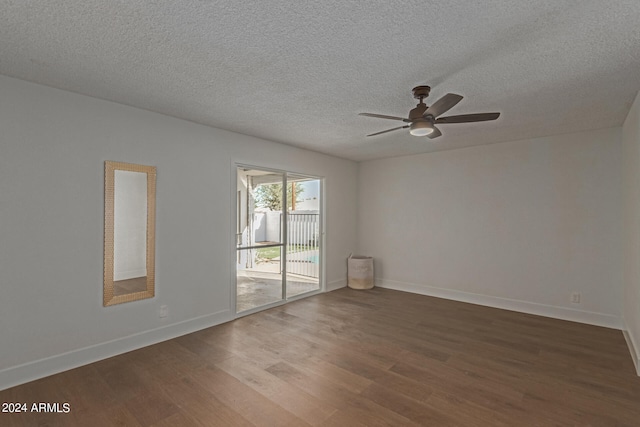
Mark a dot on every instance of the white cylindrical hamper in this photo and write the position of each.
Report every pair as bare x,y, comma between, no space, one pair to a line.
360,272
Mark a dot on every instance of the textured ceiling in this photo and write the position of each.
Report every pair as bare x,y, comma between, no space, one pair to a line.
300,72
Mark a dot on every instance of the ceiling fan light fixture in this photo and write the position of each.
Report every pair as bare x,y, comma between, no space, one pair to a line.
421,128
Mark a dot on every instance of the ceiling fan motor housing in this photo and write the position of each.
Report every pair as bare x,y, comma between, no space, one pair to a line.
417,112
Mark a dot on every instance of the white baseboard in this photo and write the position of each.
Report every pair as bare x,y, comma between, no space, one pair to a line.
31,371
581,316
336,284
633,349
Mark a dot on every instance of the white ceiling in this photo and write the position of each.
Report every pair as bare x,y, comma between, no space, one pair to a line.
300,72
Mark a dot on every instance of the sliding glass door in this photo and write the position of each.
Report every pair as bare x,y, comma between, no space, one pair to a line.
278,232
303,235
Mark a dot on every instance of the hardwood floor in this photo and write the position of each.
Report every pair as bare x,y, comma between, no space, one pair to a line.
356,358
127,286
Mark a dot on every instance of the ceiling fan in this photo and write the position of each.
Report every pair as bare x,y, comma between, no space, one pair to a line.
422,119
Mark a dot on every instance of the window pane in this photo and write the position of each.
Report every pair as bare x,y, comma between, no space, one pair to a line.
259,277
303,235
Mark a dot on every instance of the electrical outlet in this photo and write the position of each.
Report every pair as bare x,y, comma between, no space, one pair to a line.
575,297
163,312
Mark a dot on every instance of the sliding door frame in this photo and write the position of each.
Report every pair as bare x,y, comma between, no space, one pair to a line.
283,244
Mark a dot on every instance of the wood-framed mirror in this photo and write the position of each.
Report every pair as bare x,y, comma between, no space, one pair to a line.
129,232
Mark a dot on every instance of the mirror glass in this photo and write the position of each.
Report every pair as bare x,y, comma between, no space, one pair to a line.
129,232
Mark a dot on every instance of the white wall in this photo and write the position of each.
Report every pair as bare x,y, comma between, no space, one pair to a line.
517,225
53,145
631,194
